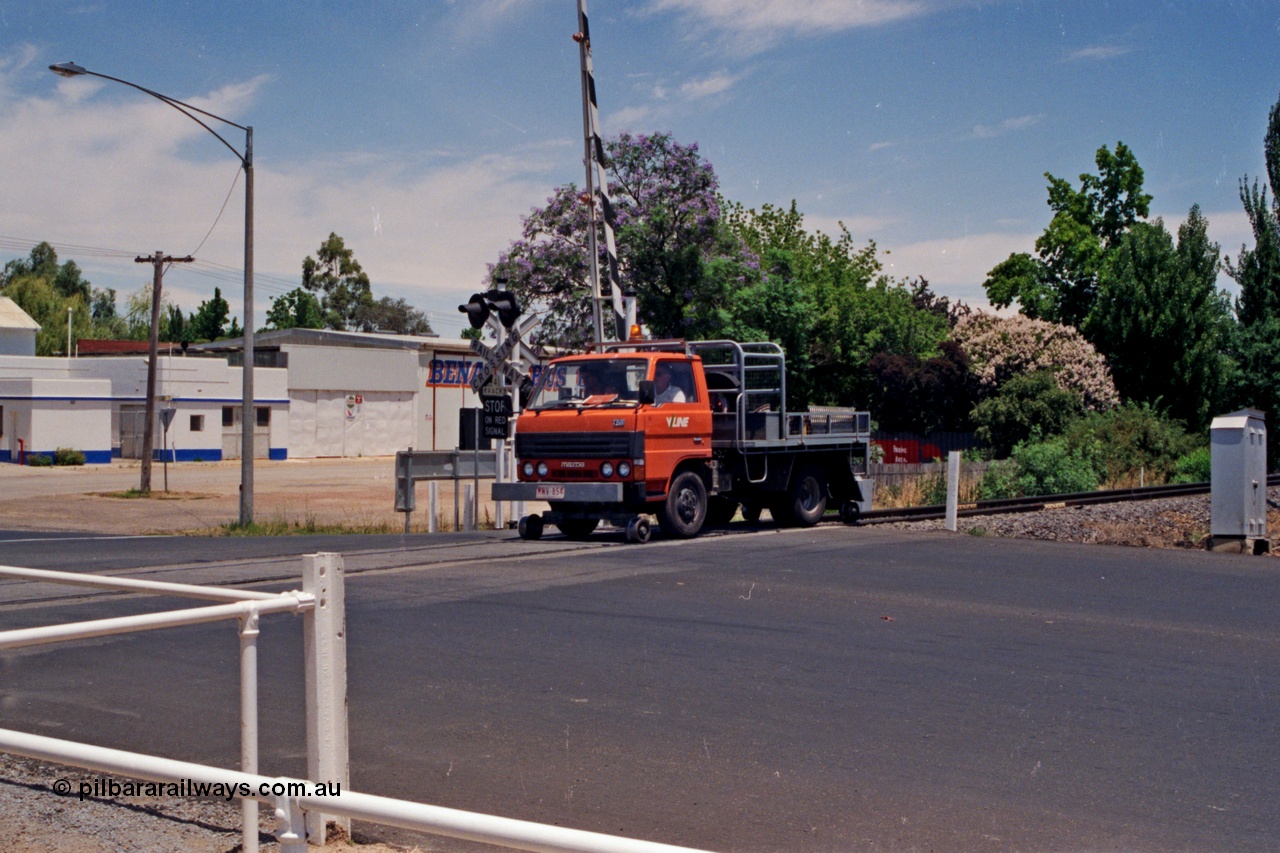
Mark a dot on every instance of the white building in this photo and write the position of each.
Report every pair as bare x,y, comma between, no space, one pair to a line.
96,406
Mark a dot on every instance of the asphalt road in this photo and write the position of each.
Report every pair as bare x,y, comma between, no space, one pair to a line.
834,689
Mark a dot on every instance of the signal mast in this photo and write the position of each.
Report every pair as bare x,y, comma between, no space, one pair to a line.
597,187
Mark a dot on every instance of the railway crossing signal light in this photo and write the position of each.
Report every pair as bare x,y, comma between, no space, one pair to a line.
477,310
504,302
500,301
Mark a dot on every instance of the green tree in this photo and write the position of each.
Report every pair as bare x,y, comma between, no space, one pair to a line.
1131,440
1257,270
1060,283
1161,321
106,323
208,322
1052,467
395,316
826,302
173,326
923,396
137,316
46,290
1027,406
340,283
297,309
35,294
1256,341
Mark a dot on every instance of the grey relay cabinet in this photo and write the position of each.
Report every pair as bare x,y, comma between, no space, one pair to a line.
1238,456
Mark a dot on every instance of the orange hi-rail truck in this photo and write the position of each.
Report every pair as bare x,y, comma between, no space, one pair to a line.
685,432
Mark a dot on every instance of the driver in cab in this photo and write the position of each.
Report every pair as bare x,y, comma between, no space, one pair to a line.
664,390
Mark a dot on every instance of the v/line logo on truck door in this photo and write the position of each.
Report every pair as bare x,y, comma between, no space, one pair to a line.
678,423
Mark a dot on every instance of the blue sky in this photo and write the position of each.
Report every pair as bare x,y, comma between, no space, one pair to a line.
421,131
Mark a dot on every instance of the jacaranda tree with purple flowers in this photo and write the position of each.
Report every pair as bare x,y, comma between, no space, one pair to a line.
671,250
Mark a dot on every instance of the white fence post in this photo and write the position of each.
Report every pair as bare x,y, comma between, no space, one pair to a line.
469,507
325,660
249,726
953,488
500,476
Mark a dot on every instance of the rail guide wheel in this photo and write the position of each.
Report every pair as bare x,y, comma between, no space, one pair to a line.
530,527
850,512
639,529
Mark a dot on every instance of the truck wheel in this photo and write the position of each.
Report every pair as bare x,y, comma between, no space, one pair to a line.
578,528
639,530
850,512
720,511
530,527
807,498
685,510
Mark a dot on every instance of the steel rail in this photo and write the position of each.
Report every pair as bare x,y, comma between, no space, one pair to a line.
1041,502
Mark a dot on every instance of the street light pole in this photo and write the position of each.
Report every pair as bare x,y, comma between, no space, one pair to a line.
247,419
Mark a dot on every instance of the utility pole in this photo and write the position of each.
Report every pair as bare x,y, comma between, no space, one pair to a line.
159,259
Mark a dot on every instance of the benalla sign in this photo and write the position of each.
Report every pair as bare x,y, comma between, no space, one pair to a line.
458,372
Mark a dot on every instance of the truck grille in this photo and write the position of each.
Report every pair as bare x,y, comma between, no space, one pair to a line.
580,445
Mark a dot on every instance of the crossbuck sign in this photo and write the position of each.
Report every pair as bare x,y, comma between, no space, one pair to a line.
497,358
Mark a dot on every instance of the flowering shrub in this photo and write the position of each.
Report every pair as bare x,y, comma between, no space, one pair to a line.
1000,348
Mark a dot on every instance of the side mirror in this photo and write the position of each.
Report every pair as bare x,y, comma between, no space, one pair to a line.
647,394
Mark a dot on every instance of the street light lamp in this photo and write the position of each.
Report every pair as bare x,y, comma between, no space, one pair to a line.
247,419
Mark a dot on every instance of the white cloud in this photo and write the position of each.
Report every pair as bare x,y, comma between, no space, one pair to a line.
714,84
634,118
1009,125
134,176
477,17
861,227
1098,53
956,266
757,24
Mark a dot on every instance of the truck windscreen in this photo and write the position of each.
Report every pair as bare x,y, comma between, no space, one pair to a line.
594,382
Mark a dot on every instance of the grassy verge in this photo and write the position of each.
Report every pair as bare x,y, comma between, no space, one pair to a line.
310,526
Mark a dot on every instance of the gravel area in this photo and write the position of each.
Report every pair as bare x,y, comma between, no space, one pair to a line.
35,819
1164,523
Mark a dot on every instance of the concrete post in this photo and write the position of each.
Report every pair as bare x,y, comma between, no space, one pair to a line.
325,659
953,488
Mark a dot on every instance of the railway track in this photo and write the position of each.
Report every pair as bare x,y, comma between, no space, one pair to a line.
1041,502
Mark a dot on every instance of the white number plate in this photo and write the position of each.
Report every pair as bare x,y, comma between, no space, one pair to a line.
549,493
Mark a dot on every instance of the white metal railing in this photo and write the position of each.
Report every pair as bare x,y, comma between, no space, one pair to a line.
299,817
290,809
322,607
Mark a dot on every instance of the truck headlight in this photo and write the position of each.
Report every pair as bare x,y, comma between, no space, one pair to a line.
606,470
624,469
542,469
527,468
